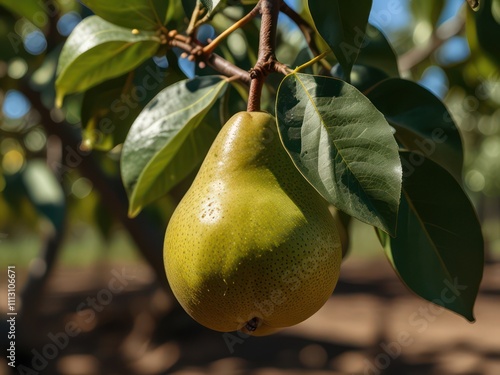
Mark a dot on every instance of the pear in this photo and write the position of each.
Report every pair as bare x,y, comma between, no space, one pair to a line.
252,246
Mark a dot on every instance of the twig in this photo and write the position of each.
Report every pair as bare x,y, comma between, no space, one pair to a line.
213,60
194,18
443,33
225,67
209,48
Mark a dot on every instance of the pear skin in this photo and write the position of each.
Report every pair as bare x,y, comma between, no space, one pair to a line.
252,246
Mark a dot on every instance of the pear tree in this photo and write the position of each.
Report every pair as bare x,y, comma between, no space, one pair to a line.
386,152
349,134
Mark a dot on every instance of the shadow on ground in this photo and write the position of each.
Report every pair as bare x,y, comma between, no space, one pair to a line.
88,324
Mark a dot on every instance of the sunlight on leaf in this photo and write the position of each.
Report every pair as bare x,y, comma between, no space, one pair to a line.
96,51
342,145
165,129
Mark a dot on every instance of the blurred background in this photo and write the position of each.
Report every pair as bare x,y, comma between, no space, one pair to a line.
92,297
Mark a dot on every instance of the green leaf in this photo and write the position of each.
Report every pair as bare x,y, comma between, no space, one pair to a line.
33,10
363,77
109,108
377,52
342,145
438,251
166,142
486,27
189,155
305,13
421,120
45,192
105,115
214,6
483,63
305,55
342,24
96,51
175,11
133,14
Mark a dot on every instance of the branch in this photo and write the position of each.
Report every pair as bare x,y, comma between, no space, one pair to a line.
192,48
243,21
198,11
225,67
443,33
40,270
266,61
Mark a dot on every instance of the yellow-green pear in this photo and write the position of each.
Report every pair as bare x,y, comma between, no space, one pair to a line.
252,246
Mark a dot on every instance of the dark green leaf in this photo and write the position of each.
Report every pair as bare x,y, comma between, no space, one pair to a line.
342,24
189,7
11,44
486,27
175,12
342,145
305,13
96,51
105,115
133,14
438,251
45,192
421,120
305,55
161,147
482,62
377,52
109,109
189,155
33,10
363,77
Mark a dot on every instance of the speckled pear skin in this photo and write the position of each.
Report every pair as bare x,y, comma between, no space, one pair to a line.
251,239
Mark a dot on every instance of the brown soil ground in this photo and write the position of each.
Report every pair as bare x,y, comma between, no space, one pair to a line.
371,325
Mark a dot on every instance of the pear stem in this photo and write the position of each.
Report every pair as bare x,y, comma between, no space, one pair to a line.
266,61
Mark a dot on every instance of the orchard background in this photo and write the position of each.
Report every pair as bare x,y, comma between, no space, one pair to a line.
92,297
